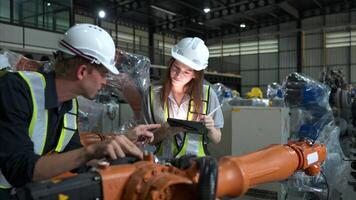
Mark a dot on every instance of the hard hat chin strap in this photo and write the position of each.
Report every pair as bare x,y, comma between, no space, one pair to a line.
76,51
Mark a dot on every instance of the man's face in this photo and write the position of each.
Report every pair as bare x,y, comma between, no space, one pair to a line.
94,81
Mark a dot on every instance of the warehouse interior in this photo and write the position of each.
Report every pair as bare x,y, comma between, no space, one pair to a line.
284,72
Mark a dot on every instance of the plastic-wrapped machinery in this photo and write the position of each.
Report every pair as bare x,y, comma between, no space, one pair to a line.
313,121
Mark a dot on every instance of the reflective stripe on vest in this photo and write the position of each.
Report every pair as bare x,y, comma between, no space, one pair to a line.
39,120
169,143
193,144
69,127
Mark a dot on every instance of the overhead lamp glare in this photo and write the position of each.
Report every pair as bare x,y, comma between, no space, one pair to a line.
243,25
101,14
48,4
206,10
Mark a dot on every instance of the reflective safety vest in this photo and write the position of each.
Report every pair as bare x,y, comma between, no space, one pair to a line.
39,121
193,144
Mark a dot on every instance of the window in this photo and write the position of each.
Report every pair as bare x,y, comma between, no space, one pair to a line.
167,47
125,37
50,15
341,39
5,10
244,48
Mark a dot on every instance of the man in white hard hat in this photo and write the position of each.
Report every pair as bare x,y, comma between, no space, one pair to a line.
38,112
184,96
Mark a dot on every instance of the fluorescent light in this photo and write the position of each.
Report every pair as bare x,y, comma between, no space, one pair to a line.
163,10
101,14
206,10
243,25
48,4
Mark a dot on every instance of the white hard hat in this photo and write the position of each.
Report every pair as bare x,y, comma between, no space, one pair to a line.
192,52
92,43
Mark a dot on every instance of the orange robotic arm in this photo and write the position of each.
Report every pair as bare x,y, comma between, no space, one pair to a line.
236,174
274,163
147,180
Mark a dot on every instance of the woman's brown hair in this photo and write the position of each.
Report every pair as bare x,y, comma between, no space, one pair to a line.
194,88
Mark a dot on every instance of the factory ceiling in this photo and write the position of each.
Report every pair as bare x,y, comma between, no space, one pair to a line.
225,17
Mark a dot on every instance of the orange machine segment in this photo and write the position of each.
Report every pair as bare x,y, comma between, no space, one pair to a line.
231,181
310,154
114,179
313,170
161,186
274,163
238,174
153,181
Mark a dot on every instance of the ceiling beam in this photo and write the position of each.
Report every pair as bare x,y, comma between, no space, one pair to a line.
188,5
229,22
273,15
163,10
318,3
286,6
148,15
127,6
220,3
250,19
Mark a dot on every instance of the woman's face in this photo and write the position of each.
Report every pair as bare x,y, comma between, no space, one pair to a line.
181,74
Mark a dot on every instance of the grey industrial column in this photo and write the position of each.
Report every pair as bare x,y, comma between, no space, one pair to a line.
151,46
299,47
71,14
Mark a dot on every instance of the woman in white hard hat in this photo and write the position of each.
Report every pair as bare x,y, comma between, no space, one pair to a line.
184,96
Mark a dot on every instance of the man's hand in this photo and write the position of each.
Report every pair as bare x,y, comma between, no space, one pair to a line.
165,131
114,147
142,133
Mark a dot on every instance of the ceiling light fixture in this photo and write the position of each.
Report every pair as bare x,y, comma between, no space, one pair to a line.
242,25
48,4
101,14
206,10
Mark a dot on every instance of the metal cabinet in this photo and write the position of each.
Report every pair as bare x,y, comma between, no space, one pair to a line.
248,129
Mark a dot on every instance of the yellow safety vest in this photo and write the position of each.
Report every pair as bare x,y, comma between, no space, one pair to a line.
39,121
193,144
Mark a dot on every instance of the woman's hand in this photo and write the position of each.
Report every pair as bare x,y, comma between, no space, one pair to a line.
213,133
208,122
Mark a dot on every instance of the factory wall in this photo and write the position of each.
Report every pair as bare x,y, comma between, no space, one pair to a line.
328,42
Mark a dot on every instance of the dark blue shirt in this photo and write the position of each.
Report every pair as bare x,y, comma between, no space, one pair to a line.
17,157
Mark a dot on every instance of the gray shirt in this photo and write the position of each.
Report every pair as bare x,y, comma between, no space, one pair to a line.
213,103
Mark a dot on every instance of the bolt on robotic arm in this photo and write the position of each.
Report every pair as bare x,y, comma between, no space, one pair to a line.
149,180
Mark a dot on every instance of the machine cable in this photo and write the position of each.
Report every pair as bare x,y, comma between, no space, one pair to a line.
207,178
